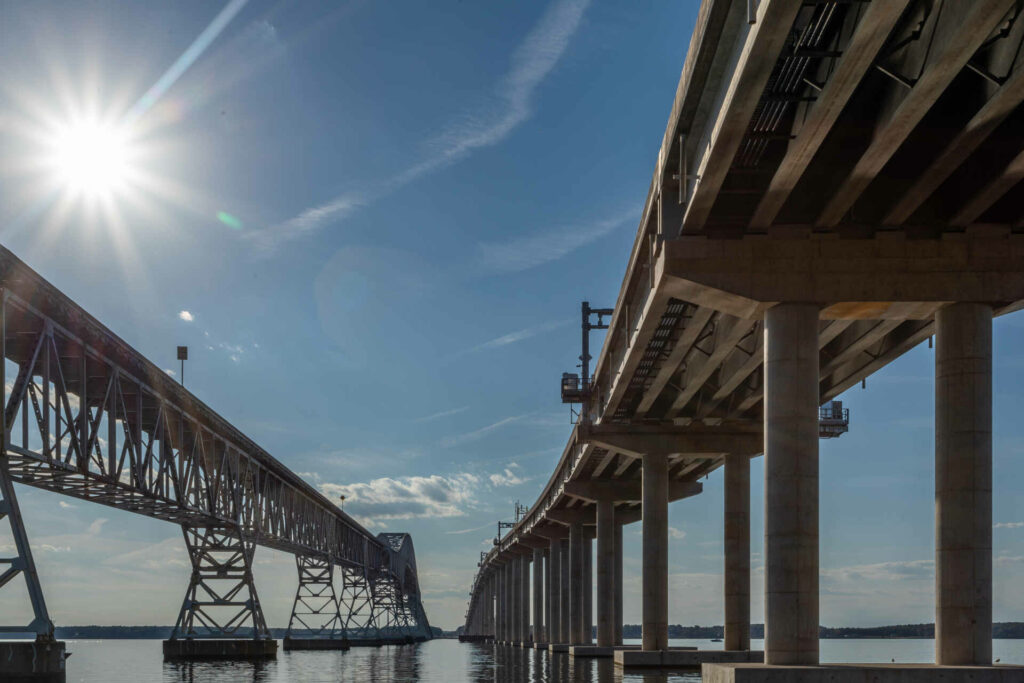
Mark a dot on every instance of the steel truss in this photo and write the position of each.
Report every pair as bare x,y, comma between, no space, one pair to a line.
316,610
221,601
356,602
22,563
88,416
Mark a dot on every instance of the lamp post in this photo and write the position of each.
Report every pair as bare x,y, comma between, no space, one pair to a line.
183,356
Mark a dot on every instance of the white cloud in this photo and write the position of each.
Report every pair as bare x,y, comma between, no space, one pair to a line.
475,435
443,413
466,531
507,478
519,335
65,505
676,534
186,316
407,497
1008,525
170,372
96,526
512,104
548,245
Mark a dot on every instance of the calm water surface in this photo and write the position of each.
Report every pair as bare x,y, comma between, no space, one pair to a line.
442,661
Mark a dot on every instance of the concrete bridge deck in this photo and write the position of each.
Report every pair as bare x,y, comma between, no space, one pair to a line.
838,182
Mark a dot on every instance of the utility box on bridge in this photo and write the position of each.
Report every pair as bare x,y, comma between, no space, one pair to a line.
571,390
833,420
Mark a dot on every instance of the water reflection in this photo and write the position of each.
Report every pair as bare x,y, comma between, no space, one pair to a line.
503,664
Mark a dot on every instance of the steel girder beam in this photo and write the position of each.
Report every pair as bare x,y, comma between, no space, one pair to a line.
221,600
21,562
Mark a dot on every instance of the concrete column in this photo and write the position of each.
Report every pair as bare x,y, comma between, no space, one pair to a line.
617,586
654,502
605,573
524,605
517,598
538,595
576,568
508,601
791,402
546,635
499,604
554,592
963,484
588,589
565,593
737,552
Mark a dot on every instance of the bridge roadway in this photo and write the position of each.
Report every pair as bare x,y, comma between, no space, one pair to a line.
838,182
87,416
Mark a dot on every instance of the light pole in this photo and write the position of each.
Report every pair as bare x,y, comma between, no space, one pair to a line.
183,356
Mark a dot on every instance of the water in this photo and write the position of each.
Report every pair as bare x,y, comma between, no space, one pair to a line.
441,661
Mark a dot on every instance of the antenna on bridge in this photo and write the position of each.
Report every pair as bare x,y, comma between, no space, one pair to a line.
521,511
576,388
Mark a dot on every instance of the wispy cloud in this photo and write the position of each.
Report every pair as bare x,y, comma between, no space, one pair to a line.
512,105
518,336
549,245
676,534
1008,525
468,531
477,434
508,477
443,413
64,505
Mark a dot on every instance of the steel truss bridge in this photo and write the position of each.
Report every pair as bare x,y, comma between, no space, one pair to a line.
87,416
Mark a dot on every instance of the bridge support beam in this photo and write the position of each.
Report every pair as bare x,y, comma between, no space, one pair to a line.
655,552
617,585
538,595
737,552
220,617
791,484
524,602
606,589
554,591
315,622
564,595
588,589
963,485
576,569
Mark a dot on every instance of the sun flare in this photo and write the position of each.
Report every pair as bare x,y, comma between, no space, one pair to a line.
92,158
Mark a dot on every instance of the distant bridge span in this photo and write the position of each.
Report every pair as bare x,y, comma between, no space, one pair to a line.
838,182
86,415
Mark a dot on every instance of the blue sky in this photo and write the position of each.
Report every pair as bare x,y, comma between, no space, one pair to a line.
417,197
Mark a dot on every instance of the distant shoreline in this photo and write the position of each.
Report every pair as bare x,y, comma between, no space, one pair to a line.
1010,630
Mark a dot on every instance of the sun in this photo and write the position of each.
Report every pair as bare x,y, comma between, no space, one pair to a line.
92,159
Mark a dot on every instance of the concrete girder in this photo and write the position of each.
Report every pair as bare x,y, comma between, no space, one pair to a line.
858,58
950,57
855,279
637,441
758,50
734,371
698,321
729,332
596,491
570,517
1006,180
1005,99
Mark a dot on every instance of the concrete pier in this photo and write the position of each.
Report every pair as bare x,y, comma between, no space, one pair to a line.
288,643
655,552
538,595
220,648
791,484
605,573
40,661
565,596
588,590
963,484
737,552
554,591
617,586
515,634
576,569
524,599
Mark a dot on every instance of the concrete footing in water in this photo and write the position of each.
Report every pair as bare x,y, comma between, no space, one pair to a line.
475,639
241,648
314,644
684,658
860,673
35,661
